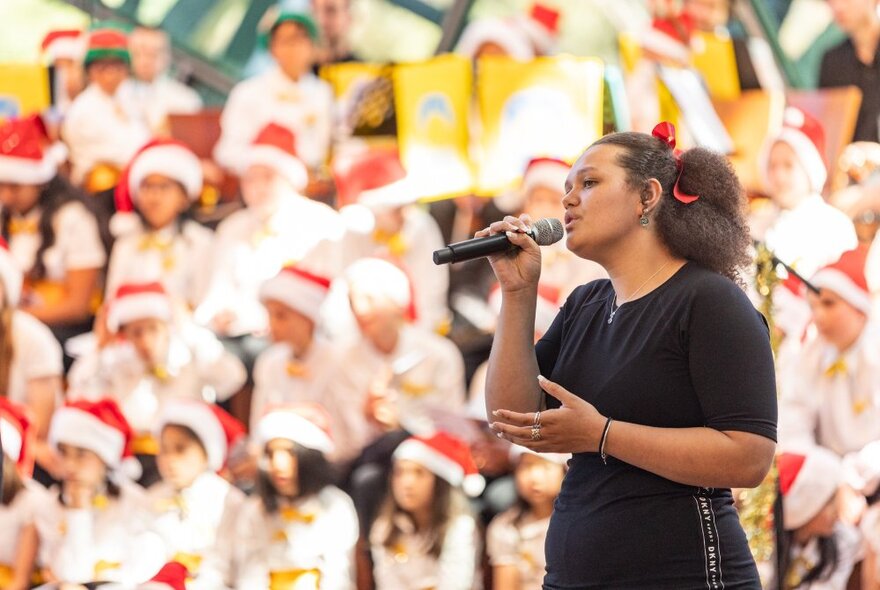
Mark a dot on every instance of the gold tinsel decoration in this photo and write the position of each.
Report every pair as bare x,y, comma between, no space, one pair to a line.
755,505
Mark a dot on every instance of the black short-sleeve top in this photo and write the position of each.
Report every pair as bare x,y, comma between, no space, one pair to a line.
692,353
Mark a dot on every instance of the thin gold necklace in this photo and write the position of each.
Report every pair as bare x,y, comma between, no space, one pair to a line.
616,308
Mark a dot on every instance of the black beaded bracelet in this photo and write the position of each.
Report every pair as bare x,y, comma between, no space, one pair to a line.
602,441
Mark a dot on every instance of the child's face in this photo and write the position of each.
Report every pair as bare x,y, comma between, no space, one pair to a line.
822,525
283,468
837,321
538,480
289,326
543,201
149,337
181,457
261,187
160,200
19,198
292,49
412,486
82,466
787,179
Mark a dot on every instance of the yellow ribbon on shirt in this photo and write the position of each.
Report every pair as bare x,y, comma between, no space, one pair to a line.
145,444
295,579
164,246
6,575
836,368
294,515
192,562
102,566
23,226
395,243
297,368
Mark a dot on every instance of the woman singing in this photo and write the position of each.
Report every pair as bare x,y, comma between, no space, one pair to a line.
660,380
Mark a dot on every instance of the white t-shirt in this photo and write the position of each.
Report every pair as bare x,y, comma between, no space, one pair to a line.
35,354
77,242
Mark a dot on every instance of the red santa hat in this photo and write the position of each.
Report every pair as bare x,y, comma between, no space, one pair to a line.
27,156
168,157
379,279
505,33
216,429
447,457
172,576
138,301
540,172
374,178
808,482
17,434
805,135
298,289
541,25
97,426
306,424
275,147
10,275
63,44
846,278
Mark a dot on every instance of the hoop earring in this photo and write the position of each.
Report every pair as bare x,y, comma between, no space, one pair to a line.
643,220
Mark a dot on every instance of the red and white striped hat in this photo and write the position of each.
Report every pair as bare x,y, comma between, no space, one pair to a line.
298,289
306,424
275,147
447,457
27,156
216,429
17,434
846,277
808,482
97,426
63,44
10,274
138,301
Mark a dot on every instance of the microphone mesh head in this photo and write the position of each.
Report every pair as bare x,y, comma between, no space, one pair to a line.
547,231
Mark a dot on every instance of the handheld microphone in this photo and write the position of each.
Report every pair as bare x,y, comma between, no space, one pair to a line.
544,231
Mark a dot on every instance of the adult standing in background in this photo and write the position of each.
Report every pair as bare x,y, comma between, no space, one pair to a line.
854,62
334,21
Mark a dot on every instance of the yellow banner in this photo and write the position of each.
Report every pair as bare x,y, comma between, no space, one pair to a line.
364,97
547,107
24,89
431,101
714,58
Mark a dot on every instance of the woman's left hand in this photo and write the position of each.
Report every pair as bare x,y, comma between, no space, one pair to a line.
575,427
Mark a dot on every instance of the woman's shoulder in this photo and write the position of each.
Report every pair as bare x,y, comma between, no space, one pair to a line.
703,283
589,292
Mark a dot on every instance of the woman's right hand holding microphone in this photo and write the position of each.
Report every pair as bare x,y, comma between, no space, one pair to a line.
521,268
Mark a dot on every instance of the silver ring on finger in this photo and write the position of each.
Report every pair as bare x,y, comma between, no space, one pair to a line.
538,418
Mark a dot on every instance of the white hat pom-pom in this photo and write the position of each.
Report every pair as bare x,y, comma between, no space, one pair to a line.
473,485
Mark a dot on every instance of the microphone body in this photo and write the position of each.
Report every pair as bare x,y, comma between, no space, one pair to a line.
544,231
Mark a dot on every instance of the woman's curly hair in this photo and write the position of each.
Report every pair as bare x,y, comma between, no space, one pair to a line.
711,231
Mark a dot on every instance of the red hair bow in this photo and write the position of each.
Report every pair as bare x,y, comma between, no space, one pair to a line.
665,132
